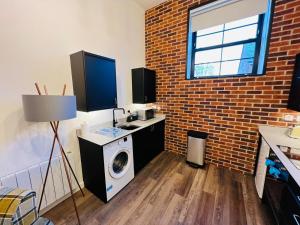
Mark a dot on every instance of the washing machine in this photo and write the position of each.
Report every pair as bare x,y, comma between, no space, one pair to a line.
118,165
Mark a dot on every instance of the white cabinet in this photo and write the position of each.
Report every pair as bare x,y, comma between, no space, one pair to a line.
261,169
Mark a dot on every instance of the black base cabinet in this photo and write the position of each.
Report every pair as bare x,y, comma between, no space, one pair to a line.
147,143
92,162
290,204
283,198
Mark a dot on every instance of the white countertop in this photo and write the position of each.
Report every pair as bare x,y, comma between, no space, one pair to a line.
275,136
99,139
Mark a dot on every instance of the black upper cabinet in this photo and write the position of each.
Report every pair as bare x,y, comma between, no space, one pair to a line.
94,81
294,98
143,85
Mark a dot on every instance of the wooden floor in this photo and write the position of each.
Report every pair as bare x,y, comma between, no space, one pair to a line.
168,191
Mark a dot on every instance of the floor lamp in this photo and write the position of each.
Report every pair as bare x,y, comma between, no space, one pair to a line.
52,109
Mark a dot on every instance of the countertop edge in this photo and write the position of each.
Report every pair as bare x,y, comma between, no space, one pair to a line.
104,140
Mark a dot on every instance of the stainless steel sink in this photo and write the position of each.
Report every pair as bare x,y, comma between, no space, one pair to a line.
128,127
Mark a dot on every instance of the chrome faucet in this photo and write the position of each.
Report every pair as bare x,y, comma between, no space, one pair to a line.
114,117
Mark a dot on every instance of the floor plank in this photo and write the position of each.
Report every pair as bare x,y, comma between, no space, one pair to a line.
173,210
169,192
222,199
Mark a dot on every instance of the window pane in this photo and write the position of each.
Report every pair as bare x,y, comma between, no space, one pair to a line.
213,55
209,40
209,69
242,22
230,67
210,30
239,51
240,34
246,66
237,67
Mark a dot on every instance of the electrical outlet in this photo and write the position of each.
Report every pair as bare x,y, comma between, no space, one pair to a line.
298,118
288,118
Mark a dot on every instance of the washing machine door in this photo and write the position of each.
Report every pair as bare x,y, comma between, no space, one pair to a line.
119,164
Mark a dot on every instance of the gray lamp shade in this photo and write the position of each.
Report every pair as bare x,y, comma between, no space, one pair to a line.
46,108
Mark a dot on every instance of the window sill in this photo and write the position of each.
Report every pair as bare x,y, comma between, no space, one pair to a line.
226,76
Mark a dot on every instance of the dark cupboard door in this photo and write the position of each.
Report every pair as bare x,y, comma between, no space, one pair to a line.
150,86
94,81
159,137
137,85
143,85
140,149
100,84
156,132
147,143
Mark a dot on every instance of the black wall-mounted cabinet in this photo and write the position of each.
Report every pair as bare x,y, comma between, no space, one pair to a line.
143,86
294,98
94,81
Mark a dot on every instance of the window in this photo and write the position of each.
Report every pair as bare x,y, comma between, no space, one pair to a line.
227,49
234,48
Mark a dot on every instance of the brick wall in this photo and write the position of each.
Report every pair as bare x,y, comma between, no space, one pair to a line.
229,109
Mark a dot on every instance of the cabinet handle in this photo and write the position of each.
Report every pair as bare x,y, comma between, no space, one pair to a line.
297,219
116,103
146,98
152,128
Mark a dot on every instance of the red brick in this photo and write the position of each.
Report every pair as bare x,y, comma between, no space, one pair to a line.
229,109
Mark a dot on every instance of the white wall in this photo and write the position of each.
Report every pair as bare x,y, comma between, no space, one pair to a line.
36,40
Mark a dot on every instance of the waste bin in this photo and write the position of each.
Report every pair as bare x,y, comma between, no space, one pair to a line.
196,148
